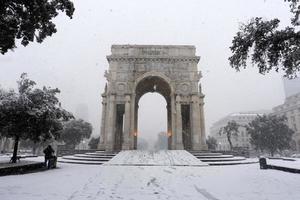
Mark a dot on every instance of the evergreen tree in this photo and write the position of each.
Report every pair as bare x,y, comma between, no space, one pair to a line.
75,131
211,143
93,143
270,133
231,129
31,113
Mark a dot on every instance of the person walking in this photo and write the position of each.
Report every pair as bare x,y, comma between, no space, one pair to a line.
49,155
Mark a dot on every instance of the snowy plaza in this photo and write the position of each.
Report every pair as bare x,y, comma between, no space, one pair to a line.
133,182
149,100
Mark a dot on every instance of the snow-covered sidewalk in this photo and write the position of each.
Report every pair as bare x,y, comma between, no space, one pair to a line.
156,158
80,182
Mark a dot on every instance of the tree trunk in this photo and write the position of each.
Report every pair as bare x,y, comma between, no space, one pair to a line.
34,148
272,153
229,141
14,158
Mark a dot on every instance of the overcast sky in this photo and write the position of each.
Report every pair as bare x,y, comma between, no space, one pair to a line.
74,60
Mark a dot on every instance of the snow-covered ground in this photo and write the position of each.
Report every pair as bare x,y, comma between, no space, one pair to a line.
157,158
80,182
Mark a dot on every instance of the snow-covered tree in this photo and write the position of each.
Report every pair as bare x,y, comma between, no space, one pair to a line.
29,20
211,143
31,113
75,131
270,133
231,129
93,143
269,46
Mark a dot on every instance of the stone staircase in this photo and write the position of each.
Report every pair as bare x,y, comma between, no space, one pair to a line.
95,158
221,159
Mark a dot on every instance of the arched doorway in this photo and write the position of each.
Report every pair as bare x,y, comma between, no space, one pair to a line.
152,122
158,85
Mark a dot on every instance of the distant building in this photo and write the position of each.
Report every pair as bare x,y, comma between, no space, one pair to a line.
291,86
242,139
291,109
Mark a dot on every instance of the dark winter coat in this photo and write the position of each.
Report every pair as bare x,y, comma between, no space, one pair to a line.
48,152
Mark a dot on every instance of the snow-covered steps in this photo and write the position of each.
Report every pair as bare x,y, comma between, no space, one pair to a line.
220,159
96,158
210,157
157,158
245,161
201,153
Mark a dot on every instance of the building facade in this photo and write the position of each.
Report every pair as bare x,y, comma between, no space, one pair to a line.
170,70
242,140
291,86
291,109
6,145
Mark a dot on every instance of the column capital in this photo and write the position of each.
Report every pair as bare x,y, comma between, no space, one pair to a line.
195,99
112,97
127,98
178,99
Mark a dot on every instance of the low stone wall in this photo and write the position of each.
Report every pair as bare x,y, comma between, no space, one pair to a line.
263,165
20,168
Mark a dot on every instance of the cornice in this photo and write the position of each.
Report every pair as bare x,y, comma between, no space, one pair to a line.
113,58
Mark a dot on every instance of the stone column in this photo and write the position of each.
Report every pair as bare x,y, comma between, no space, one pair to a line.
127,120
196,130
135,133
202,125
132,121
173,123
179,144
110,125
101,144
169,126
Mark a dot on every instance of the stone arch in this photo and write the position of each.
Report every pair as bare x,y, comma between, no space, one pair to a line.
153,82
133,71
153,74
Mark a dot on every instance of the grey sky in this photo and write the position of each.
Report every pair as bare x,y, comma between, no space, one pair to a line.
74,58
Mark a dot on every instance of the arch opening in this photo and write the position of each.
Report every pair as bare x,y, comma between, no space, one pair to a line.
153,84
152,123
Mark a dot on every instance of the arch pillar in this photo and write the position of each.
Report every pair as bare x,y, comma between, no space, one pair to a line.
127,123
101,144
196,130
110,124
179,142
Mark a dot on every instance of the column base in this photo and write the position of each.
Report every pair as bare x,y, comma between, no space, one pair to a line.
204,147
179,146
109,148
197,147
101,146
126,146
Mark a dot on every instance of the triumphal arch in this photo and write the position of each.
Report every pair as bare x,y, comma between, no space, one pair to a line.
170,70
